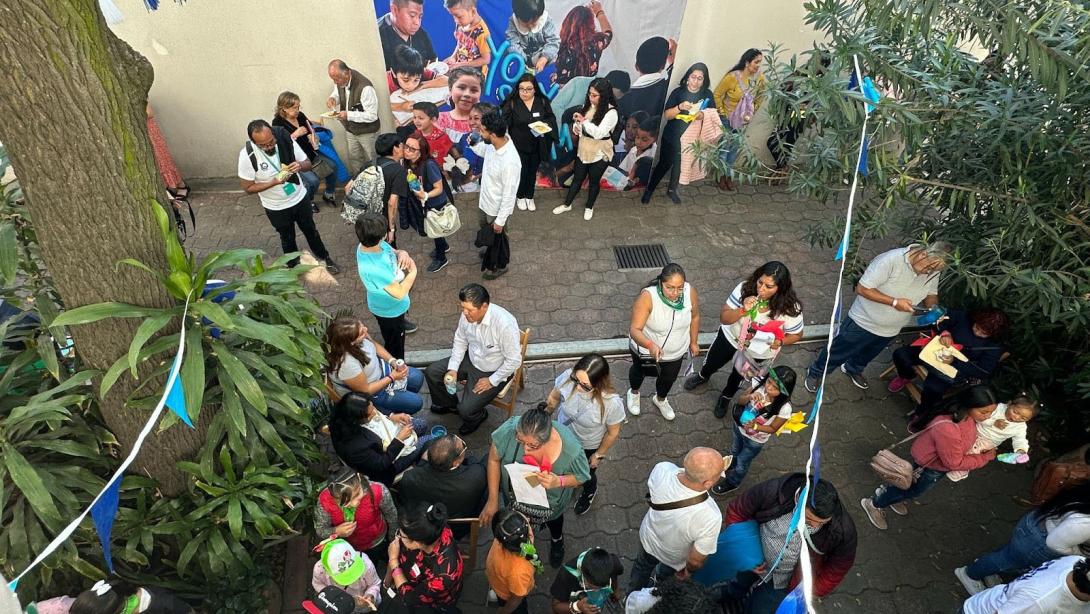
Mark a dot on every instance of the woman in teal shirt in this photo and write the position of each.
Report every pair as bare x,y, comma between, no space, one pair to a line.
534,438
387,275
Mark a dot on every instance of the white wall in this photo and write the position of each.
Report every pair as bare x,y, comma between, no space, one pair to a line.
220,63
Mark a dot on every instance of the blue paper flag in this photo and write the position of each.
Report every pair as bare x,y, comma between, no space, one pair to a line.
176,395
817,404
103,514
863,156
870,92
816,464
793,603
13,585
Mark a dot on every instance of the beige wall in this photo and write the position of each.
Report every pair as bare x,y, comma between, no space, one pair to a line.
219,64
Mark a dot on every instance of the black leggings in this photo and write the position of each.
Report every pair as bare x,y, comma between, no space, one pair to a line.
669,162
584,171
665,379
528,175
721,354
591,485
556,528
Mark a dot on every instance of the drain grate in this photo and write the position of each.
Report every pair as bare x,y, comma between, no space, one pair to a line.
639,257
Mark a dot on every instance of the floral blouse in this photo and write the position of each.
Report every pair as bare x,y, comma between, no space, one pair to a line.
433,580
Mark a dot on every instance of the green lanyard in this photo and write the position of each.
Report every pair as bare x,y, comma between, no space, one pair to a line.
289,188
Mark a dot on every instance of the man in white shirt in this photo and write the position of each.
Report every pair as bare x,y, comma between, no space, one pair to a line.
499,186
356,106
269,165
681,529
1060,586
487,351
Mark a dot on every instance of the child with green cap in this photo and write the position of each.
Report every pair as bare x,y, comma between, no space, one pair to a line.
352,571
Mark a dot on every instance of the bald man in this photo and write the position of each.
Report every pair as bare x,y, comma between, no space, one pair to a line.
356,104
682,527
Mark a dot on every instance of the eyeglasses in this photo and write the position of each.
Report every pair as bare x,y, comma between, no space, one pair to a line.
526,89
530,445
583,385
465,446
411,148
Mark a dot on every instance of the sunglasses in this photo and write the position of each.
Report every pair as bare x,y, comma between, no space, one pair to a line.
584,385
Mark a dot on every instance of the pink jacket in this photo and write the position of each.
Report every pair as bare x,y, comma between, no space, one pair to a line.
945,446
707,128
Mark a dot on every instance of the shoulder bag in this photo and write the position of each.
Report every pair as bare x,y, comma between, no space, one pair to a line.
893,469
676,505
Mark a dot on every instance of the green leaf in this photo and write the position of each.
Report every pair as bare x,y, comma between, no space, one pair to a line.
233,408
28,481
234,517
276,336
48,353
176,259
101,311
213,312
147,329
9,253
238,376
192,372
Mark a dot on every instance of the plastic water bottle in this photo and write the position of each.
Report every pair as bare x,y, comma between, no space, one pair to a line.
451,383
398,384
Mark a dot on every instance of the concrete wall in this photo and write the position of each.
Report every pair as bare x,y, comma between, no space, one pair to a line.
220,63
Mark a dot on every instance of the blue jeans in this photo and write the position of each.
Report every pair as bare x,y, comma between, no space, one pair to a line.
890,494
852,347
1025,550
407,401
766,598
646,571
744,450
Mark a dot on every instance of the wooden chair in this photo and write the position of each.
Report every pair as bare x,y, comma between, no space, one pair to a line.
469,555
507,397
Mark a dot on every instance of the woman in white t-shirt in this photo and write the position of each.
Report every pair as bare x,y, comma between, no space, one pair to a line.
762,412
760,316
356,363
592,410
1060,586
1058,527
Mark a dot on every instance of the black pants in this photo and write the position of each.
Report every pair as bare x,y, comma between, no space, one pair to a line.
594,173
285,221
934,385
556,528
591,485
664,381
528,176
522,608
472,407
393,335
441,248
669,161
721,354
782,142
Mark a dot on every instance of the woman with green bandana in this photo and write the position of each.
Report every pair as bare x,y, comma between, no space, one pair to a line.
663,329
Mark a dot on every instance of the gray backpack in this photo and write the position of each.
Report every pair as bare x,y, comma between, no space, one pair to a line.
366,194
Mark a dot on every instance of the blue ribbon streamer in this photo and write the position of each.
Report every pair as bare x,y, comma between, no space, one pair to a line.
103,513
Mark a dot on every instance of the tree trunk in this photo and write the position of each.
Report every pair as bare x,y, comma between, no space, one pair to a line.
73,100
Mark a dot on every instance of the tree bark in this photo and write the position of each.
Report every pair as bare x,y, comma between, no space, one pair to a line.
73,101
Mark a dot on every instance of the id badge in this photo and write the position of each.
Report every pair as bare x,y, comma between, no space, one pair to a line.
289,189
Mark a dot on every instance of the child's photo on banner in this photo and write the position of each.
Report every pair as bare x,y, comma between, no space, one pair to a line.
462,56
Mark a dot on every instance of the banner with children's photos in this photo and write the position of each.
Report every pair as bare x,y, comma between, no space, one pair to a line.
455,54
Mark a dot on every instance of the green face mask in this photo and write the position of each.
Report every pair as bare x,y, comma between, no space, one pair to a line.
677,305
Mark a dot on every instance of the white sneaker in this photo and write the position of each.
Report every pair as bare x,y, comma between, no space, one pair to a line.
531,205
561,209
521,204
664,407
587,214
971,585
633,399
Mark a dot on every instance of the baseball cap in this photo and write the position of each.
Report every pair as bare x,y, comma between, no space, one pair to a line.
341,561
331,600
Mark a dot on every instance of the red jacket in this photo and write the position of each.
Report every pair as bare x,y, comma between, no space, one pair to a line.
836,541
945,444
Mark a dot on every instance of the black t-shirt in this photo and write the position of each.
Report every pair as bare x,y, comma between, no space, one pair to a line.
676,127
648,99
519,119
391,40
303,141
394,178
566,586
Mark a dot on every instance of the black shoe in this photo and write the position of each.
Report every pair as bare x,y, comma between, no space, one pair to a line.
332,266
490,275
556,552
695,381
720,409
646,198
674,196
434,254
437,265
329,200
721,488
439,409
314,207
408,327
468,428
582,506
856,378
811,384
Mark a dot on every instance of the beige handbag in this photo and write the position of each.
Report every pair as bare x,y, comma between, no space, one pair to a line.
893,469
442,223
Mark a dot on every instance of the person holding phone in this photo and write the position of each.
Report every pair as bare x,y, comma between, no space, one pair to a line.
663,328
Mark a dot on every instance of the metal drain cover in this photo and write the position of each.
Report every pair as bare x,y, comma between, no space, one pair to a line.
641,257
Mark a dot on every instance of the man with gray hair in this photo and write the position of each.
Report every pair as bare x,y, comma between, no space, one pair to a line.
355,104
682,527
894,283
449,477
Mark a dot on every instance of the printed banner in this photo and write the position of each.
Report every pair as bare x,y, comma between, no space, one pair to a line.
475,50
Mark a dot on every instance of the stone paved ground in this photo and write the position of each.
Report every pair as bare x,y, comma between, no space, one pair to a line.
563,283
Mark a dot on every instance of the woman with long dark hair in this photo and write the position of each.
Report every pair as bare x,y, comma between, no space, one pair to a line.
355,362
527,104
594,125
581,44
1058,527
691,94
663,328
742,89
762,413
377,446
425,569
942,447
590,407
426,193
763,302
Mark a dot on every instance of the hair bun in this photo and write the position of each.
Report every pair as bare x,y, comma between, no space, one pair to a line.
437,513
